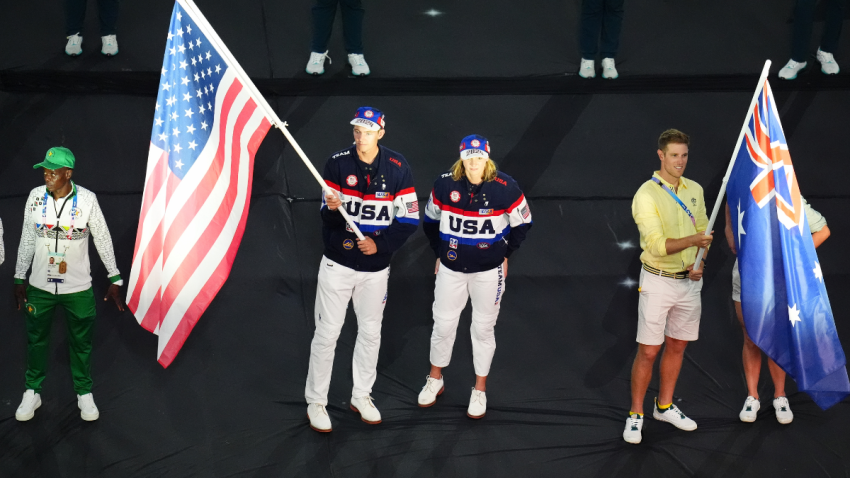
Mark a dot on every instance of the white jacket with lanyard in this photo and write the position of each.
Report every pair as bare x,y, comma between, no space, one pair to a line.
54,240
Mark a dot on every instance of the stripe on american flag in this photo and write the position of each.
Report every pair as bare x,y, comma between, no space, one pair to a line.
190,230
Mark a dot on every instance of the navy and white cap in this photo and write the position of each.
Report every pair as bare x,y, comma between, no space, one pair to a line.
474,146
369,118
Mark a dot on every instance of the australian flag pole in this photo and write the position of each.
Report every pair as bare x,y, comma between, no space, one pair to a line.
783,294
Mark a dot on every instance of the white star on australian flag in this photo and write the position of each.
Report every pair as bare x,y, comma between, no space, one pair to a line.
794,315
185,105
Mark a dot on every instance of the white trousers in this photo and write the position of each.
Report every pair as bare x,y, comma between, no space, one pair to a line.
337,285
451,292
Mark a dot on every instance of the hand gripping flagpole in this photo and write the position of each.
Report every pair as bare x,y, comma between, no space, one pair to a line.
722,193
212,36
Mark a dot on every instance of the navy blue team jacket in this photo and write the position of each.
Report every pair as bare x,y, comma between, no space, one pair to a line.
473,228
381,200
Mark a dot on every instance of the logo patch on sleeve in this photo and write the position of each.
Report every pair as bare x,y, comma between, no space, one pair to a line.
451,255
524,211
348,244
412,206
452,243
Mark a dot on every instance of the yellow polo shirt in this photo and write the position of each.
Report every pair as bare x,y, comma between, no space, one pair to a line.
659,217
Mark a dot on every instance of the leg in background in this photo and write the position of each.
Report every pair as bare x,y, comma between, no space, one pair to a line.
324,12
352,25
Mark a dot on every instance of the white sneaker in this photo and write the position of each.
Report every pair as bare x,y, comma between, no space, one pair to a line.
587,69
316,64
110,45
790,70
750,410
634,424
359,67
319,419
783,410
827,63
26,410
88,410
366,409
75,45
675,417
433,388
477,404
609,70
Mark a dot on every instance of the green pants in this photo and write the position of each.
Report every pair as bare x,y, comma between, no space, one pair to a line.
80,313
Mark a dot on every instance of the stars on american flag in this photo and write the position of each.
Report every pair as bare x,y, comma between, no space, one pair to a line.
184,107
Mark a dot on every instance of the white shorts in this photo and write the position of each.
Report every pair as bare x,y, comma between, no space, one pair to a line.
736,283
670,307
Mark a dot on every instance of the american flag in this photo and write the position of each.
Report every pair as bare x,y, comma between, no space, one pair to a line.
206,129
783,294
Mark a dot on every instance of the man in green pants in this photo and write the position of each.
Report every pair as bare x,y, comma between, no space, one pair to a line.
59,217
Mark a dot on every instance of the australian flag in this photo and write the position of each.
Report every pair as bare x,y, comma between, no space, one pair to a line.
783,295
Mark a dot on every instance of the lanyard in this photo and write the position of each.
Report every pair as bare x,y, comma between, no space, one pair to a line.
73,211
671,193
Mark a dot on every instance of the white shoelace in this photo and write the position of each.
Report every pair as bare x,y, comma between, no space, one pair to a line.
634,421
358,58
320,58
476,396
428,381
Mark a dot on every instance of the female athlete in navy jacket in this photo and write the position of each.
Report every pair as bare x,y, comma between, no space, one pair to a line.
475,218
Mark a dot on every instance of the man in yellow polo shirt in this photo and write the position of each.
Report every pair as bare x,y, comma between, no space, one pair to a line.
669,211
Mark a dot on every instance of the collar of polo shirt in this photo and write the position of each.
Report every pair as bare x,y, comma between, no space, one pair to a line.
682,181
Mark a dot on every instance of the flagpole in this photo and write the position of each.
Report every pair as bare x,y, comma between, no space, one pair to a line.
189,5
764,72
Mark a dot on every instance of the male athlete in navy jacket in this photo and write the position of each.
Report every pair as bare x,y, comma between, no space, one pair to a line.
376,187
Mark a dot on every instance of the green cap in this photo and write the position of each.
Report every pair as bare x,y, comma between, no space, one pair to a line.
56,158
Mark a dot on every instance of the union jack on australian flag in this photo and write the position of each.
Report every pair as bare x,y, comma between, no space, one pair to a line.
786,308
206,130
